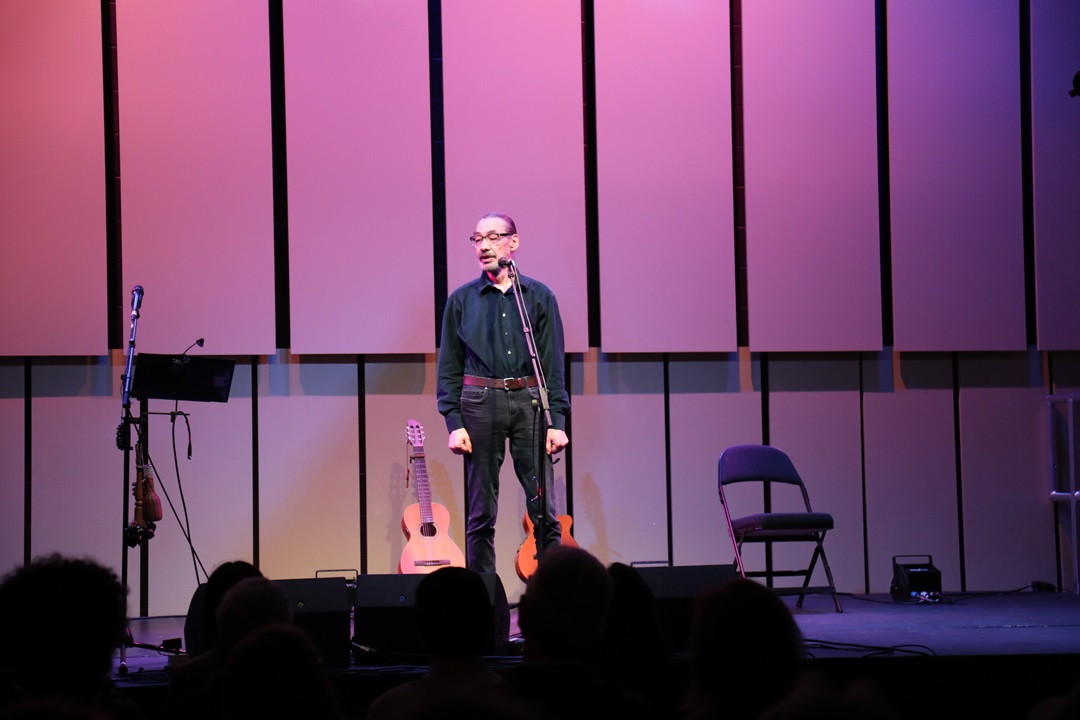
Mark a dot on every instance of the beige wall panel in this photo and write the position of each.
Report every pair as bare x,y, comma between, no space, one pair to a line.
309,474
910,465
52,178
1055,25
77,470
12,464
198,215
514,131
812,248
620,504
659,173
359,165
703,424
1008,516
955,175
814,418
217,489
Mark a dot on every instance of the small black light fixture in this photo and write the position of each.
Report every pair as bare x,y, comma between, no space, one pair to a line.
915,582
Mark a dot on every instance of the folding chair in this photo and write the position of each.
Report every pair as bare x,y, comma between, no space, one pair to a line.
773,471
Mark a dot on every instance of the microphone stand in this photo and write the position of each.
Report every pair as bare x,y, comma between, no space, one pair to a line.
544,407
123,442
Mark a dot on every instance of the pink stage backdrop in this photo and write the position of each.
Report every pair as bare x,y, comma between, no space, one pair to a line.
956,182
1055,62
196,167
514,141
359,163
810,113
52,180
663,126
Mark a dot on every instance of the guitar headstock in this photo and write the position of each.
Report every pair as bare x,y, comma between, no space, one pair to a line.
414,434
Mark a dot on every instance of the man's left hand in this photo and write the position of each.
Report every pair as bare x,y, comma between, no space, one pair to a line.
556,441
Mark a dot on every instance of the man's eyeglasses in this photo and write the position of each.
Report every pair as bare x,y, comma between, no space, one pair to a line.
491,237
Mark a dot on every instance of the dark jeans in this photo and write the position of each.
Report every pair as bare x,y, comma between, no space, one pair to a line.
493,416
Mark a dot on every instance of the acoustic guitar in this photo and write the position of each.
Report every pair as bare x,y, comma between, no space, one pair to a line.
526,558
425,523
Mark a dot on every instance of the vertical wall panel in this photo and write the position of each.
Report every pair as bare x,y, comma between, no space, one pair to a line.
52,179
955,175
12,465
910,465
76,468
309,476
714,404
1003,443
196,161
812,248
359,164
814,418
1055,116
664,176
514,141
620,504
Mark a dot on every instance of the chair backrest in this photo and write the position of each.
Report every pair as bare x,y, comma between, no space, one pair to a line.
758,463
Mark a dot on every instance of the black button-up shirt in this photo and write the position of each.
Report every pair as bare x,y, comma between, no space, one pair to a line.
482,334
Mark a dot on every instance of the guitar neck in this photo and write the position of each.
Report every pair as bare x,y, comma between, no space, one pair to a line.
423,488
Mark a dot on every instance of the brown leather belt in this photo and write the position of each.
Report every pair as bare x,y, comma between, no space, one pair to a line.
518,383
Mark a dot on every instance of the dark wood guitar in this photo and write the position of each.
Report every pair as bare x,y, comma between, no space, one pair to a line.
526,558
425,523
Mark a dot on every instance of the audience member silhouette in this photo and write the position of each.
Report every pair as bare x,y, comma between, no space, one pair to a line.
633,650
275,672
562,617
200,626
457,623
744,653
817,697
249,605
71,608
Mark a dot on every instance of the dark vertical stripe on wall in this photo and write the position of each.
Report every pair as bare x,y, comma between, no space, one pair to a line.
959,470
255,460
27,454
667,460
1027,163
113,256
738,165
862,476
438,164
283,329
884,206
568,455
592,202
361,429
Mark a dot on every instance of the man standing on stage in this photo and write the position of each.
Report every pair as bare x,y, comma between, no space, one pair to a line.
488,391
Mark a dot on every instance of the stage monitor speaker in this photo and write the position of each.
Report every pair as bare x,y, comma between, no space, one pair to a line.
384,615
321,607
675,589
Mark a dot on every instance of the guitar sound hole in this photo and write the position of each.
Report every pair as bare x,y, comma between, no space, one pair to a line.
428,529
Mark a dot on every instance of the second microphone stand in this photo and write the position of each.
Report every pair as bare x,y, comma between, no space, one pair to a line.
544,408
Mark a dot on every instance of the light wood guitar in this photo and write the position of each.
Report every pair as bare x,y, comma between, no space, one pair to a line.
426,524
526,558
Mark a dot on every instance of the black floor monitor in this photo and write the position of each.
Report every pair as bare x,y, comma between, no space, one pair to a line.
182,377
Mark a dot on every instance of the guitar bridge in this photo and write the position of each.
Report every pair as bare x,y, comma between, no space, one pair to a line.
430,563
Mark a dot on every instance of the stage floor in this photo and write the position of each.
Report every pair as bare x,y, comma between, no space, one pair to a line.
994,653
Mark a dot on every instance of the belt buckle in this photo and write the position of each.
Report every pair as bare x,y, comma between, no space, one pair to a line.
506,384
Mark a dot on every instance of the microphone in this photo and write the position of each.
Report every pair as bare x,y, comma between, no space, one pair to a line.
136,300
198,342
506,262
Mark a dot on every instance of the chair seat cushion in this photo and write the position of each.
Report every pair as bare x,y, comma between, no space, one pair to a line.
783,523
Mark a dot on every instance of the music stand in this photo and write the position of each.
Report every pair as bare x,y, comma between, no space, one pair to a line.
182,377
175,377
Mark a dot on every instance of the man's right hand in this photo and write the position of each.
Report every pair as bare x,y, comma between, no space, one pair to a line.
459,443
